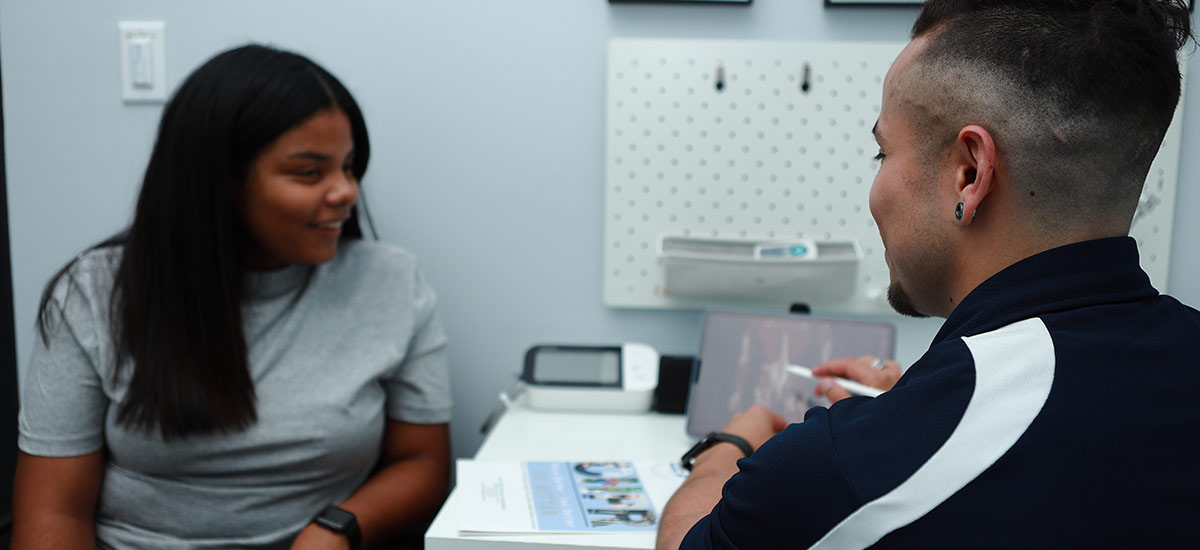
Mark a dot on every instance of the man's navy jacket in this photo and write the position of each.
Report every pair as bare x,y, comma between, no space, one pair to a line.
1058,407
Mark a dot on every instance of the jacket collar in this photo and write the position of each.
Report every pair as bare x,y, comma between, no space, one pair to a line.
1072,276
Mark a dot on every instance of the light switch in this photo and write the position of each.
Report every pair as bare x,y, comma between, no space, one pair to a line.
143,64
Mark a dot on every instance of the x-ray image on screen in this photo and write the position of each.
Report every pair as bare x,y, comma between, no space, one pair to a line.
744,357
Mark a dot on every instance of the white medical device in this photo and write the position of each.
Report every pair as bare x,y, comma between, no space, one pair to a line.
591,378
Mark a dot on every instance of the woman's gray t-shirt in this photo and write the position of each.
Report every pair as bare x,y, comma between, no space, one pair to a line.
334,350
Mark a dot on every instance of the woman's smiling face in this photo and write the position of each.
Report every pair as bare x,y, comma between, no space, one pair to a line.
298,193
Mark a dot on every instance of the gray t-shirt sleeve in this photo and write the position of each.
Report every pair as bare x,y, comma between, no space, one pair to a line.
418,391
63,405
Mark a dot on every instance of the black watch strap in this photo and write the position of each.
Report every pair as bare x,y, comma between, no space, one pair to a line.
689,458
341,521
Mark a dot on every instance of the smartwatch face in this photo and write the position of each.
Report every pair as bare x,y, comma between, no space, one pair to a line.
335,518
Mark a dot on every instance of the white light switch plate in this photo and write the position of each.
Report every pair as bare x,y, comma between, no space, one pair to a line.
143,61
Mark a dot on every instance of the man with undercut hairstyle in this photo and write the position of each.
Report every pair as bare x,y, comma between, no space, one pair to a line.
1059,404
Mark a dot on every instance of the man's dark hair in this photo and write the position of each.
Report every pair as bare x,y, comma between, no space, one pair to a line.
1097,82
176,309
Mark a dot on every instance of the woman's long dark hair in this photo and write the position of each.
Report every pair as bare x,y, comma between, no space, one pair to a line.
177,295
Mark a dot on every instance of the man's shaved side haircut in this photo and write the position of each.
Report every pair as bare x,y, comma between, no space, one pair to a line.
1077,93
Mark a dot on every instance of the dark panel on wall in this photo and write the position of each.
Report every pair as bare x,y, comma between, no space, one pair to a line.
8,349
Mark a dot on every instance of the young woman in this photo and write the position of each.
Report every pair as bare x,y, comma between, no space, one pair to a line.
238,368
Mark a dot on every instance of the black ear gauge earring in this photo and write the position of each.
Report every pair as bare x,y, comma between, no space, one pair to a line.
958,211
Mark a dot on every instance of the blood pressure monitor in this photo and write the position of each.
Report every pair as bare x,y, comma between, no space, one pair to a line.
591,378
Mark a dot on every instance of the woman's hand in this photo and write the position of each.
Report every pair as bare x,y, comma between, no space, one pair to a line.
858,369
315,537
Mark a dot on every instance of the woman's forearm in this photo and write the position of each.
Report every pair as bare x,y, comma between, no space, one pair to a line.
52,532
399,498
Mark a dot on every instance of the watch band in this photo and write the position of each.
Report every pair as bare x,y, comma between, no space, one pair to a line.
340,520
688,459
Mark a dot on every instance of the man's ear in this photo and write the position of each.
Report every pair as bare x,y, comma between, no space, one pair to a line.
975,176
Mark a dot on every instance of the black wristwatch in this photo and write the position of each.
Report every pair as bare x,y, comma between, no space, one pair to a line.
689,458
341,521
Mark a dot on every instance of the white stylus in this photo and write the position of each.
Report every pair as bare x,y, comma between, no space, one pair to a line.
849,385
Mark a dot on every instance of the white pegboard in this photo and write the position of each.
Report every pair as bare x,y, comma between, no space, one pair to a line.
764,158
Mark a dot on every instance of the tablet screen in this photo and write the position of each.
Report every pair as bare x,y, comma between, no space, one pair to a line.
743,361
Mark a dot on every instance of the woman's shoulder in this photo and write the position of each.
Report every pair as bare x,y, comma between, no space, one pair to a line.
93,270
375,267
375,255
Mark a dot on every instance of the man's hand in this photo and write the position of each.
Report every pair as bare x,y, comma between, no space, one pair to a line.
858,369
756,425
701,491
315,537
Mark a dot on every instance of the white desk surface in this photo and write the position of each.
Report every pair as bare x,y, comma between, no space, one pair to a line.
523,434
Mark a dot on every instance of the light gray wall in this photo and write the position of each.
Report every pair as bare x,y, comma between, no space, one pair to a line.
487,123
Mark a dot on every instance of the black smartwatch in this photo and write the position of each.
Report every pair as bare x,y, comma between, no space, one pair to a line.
341,521
689,458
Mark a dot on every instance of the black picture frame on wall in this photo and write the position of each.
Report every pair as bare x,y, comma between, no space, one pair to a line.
735,2
874,2
1191,3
